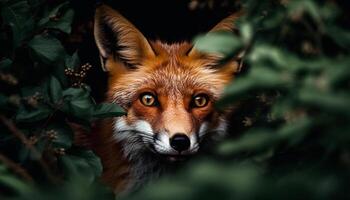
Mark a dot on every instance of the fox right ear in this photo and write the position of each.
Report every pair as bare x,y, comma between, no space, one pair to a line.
225,25
118,39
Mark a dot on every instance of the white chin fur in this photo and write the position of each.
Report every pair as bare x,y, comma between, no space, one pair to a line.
129,135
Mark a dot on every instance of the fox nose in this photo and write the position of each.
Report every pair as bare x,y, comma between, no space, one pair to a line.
180,142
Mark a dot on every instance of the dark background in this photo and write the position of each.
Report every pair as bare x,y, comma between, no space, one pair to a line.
167,20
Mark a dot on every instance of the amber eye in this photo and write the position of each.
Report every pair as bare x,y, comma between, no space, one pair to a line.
148,99
200,100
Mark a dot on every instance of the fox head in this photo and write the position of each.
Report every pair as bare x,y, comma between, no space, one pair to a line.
167,90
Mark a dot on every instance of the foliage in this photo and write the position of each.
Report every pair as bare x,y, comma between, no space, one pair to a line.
291,127
41,94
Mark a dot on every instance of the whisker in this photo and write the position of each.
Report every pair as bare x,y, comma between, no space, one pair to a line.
135,131
208,134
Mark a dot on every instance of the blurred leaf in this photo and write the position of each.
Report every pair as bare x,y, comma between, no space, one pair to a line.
259,78
55,89
79,103
5,64
339,35
17,15
64,23
32,115
246,31
3,101
47,48
10,181
53,13
55,19
308,6
275,58
108,110
35,3
260,139
224,44
72,61
330,102
83,163
93,161
255,140
64,135
23,154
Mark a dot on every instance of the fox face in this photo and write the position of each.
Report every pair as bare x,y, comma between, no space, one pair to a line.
167,90
169,101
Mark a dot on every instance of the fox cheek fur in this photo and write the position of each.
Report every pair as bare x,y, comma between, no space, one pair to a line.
168,92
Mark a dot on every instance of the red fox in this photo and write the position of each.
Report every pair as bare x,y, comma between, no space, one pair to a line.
168,92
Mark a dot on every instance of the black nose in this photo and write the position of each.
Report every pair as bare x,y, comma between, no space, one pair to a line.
180,142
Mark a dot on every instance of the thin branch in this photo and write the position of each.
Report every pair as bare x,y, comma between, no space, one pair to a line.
16,132
16,168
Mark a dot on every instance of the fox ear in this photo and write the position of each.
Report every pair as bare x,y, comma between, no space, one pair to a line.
117,38
226,25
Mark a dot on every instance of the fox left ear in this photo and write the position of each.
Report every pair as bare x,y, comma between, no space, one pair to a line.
118,39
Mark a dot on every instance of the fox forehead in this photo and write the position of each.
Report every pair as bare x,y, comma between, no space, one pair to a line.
171,73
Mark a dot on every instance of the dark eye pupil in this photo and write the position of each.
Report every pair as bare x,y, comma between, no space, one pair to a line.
148,99
200,100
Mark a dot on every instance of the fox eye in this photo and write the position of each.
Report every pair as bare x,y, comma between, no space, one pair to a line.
200,100
148,99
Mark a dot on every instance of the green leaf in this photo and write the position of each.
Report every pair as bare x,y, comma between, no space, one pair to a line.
35,3
76,166
17,15
259,78
79,103
339,35
224,44
33,115
56,20
252,141
63,132
64,139
308,6
23,154
72,61
5,64
330,102
246,31
275,57
55,89
47,48
259,139
3,101
73,93
93,161
53,13
108,110
11,182
64,23
83,163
